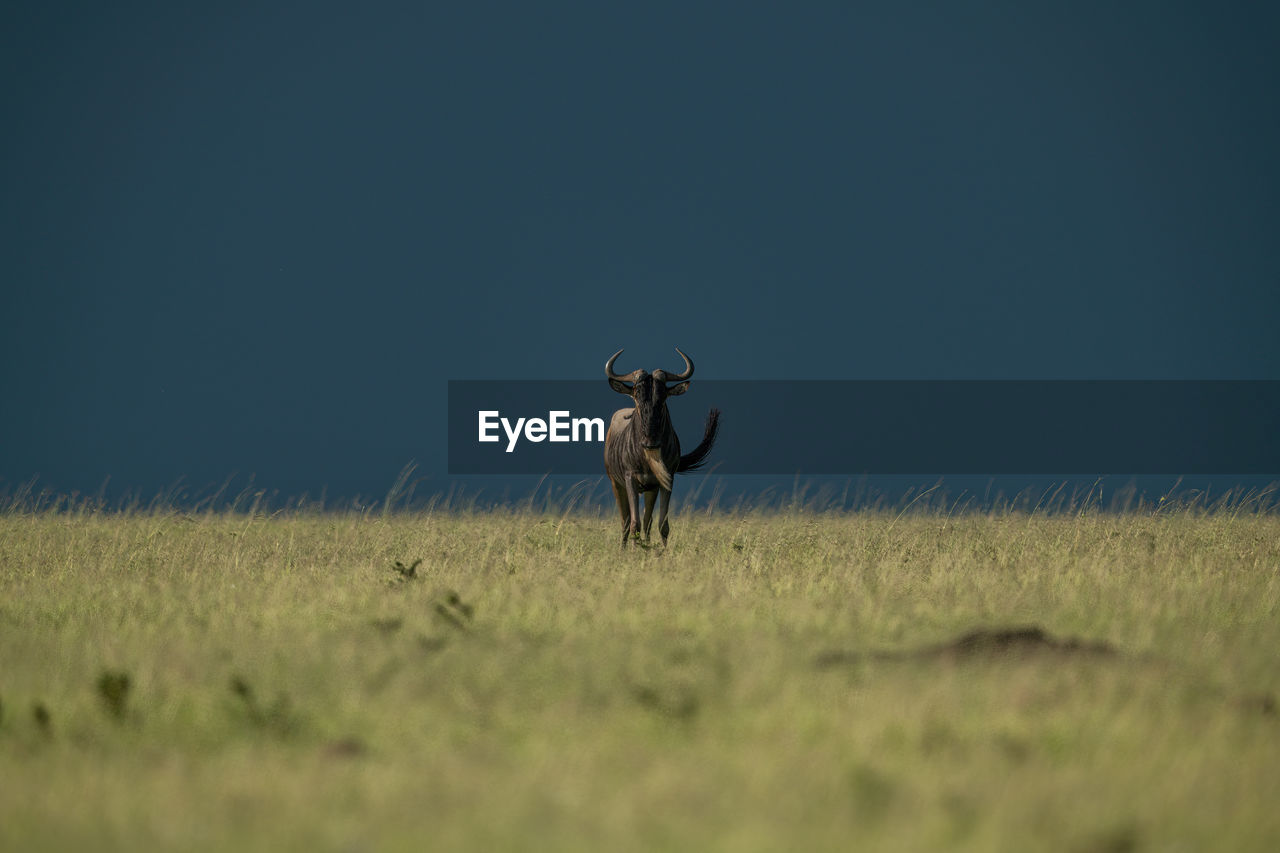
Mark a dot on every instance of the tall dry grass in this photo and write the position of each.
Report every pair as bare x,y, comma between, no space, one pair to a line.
777,679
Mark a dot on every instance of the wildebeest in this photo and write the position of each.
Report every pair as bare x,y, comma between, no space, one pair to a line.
641,450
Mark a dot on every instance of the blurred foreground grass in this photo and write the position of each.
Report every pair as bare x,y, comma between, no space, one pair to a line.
513,680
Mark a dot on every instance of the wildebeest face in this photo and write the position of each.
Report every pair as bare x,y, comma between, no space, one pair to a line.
650,392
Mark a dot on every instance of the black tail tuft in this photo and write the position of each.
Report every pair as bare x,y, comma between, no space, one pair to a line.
694,460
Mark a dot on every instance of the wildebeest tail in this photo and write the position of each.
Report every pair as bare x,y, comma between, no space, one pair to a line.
694,459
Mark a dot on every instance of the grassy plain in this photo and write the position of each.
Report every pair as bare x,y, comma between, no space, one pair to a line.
773,681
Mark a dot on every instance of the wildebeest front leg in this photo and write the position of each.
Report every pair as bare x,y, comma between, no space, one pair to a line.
624,509
650,498
633,502
663,527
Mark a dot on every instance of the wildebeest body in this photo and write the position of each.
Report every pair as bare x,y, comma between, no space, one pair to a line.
641,448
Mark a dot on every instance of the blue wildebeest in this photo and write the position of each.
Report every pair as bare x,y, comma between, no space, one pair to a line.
641,450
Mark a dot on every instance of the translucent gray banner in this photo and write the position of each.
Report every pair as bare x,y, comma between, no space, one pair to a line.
854,427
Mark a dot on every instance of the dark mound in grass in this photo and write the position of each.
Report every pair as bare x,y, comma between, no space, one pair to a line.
982,644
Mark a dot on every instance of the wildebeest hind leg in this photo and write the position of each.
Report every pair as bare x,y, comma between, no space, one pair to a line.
663,527
650,498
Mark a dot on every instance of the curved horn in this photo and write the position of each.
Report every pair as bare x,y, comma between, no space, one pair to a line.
620,378
688,369
608,367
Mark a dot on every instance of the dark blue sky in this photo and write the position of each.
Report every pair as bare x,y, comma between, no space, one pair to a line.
261,237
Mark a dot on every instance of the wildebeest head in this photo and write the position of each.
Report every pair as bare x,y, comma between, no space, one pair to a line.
650,392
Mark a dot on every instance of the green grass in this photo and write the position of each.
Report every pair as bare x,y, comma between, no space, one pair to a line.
227,681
